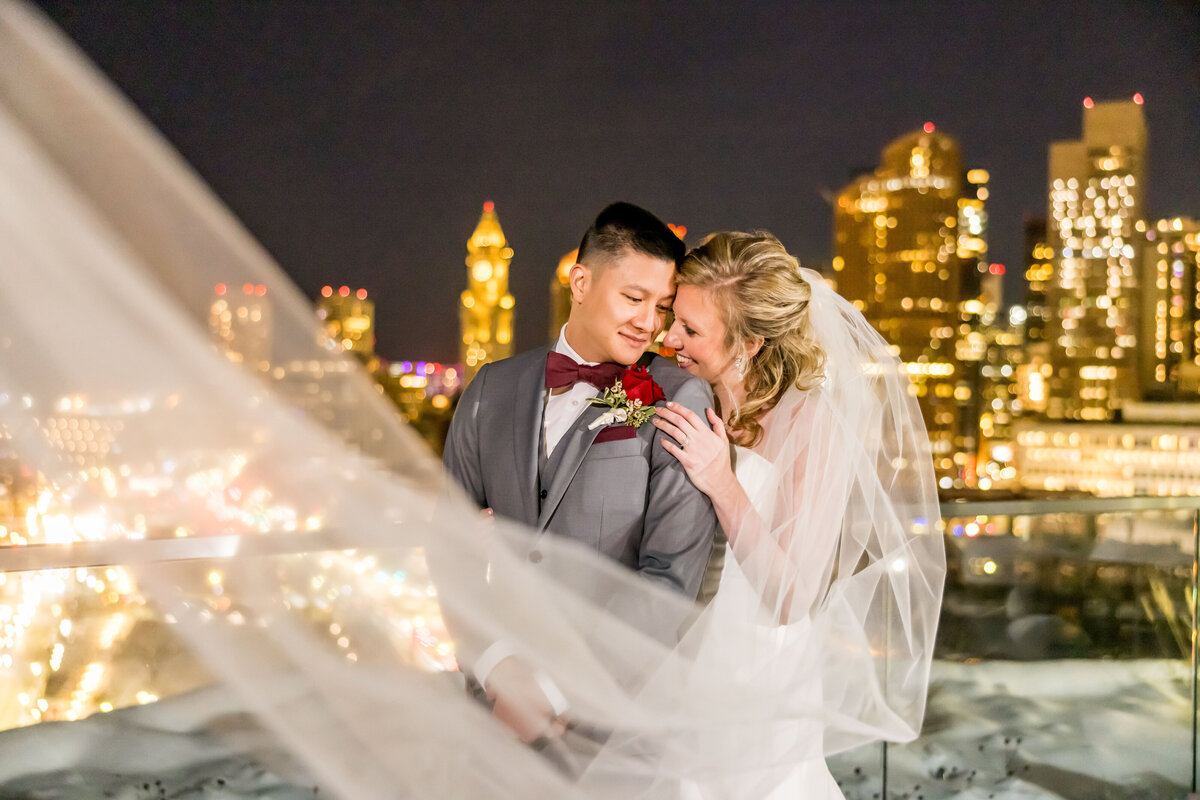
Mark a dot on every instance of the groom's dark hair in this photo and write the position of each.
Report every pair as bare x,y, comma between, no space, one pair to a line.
624,226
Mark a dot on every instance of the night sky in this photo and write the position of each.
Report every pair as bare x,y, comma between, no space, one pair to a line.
358,141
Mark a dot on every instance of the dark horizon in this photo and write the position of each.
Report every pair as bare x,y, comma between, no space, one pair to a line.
359,142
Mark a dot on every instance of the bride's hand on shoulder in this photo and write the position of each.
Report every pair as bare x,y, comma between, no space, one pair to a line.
702,450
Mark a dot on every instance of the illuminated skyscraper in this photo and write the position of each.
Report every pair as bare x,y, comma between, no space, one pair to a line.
1039,269
486,307
909,244
981,281
981,295
239,320
1169,356
349,320
999,401
1096,192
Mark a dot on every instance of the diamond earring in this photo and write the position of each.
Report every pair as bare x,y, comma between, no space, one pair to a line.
739,364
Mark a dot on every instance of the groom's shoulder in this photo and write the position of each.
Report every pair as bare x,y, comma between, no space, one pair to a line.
673,378
508,368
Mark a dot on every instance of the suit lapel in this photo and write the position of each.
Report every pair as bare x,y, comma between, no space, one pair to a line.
568,455
565,460
527,434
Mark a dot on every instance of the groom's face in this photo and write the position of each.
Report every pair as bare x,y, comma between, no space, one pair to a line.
619,306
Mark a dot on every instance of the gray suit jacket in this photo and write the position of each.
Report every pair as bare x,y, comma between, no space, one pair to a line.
629,499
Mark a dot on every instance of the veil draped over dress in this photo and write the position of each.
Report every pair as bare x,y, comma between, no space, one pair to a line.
293,488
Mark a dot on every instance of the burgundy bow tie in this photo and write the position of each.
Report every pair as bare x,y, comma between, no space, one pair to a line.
564,371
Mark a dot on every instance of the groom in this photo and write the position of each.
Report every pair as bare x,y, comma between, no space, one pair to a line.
523,443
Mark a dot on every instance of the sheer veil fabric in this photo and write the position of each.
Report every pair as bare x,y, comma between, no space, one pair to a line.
110,249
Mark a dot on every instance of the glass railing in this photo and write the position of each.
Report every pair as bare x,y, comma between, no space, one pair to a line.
1066,665
1065,661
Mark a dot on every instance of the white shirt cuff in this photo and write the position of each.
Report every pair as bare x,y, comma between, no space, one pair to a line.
501,650
491,657
557,699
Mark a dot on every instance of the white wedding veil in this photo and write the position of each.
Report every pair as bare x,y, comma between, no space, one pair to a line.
280,516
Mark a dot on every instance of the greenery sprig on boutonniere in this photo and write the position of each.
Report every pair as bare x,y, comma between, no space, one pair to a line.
630,400
621,408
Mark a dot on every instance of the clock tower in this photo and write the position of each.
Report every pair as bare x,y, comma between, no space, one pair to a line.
486,307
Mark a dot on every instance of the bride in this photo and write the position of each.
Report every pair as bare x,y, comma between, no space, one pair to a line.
787,455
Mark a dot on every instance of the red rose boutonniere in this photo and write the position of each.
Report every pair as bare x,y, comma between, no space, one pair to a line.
630,400
638,385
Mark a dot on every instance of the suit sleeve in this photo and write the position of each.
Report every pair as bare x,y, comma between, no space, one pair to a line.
680,525
462,568
461,453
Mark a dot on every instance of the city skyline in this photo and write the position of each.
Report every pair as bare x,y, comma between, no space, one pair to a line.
358,145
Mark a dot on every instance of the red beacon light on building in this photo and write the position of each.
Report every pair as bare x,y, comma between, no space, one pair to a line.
996,269
248,288
489,207
344,291
260,290
220,289
326,291
361,294
1088,102
1137,98
928,127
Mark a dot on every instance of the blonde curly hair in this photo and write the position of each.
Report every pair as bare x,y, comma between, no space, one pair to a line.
759,291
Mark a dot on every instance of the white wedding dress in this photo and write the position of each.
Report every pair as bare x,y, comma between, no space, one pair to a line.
736,601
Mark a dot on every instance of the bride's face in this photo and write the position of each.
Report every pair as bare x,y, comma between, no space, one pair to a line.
698,335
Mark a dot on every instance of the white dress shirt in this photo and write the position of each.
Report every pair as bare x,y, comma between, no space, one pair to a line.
561,410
